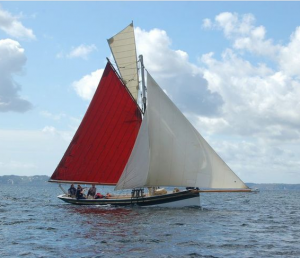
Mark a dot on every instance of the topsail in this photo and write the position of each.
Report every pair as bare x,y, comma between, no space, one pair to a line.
123,48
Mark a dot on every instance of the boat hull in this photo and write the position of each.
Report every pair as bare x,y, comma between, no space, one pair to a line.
180,199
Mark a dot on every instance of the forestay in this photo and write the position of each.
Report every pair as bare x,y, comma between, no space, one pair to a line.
169,151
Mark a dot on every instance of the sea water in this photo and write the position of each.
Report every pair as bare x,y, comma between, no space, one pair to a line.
34,223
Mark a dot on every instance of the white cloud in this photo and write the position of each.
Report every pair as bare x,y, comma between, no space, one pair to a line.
258,129
233,26
87,85
257,98
12,62
52,116
245,36
82,51
172,70
32,152
256,161
49,129
288,57
207,23
64,135
12,26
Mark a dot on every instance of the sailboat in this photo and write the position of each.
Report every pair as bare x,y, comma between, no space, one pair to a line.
134,137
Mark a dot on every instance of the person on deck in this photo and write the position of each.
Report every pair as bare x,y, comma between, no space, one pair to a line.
99,196
79,192
92,191
72,191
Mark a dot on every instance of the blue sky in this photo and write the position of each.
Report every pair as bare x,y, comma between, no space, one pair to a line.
231,67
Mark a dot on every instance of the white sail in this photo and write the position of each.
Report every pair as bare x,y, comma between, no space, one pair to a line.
123,48
176,154
136,170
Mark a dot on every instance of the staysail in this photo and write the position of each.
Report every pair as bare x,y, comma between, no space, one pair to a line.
123,48
169,151
104,140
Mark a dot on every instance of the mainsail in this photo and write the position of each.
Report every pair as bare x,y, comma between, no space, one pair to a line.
123,48
169,151
104,140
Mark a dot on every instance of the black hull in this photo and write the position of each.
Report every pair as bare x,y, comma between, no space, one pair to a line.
180,199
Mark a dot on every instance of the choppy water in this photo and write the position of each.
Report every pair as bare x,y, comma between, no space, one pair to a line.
34,223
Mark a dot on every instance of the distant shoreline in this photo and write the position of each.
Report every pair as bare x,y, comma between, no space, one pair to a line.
23,180
43,179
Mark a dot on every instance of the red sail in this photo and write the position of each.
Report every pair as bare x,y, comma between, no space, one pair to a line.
104,140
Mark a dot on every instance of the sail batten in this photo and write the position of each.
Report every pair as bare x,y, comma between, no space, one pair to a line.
175,154
104,140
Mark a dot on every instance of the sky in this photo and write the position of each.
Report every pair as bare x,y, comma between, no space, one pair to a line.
231,67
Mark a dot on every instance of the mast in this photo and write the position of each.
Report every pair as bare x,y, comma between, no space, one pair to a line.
143,84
